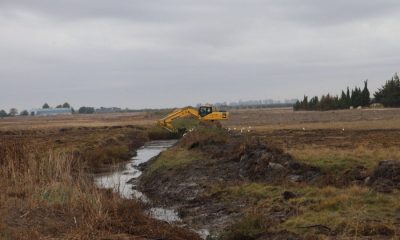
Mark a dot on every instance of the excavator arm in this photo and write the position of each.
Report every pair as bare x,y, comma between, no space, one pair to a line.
204,113
166,122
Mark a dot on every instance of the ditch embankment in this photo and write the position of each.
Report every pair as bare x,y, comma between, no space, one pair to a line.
239,186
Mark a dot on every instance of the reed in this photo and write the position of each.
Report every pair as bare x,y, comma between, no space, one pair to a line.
47,194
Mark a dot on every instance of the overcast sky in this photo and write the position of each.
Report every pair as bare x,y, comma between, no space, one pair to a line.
166,53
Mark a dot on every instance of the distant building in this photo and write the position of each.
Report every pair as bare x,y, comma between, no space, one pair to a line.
50,111
108,110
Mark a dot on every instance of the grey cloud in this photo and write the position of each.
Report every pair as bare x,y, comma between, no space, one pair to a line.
311,11
322,13
173,53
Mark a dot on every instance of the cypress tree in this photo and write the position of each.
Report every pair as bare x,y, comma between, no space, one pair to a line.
348,98
365,95
343,100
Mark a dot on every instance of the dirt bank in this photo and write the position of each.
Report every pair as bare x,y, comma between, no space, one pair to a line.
240,187
208,158
386,176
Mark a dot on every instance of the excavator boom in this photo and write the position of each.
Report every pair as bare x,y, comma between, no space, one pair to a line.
203,113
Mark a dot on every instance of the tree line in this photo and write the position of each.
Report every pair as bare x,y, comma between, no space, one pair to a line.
388,95
83,110
14,112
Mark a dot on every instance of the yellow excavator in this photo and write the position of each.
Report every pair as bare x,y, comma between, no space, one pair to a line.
206,113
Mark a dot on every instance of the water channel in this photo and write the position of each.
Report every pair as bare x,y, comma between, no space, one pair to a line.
123,178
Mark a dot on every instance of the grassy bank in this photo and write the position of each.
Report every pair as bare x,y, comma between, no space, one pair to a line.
312,212
47,194
97,147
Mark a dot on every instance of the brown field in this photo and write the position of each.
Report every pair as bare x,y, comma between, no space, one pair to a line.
260,119
36,197
334,139
286,118
78,120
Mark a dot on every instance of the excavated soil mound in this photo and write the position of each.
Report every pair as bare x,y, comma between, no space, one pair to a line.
250,159
386,176
260,162
221,158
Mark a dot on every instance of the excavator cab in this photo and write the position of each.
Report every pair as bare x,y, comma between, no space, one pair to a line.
205,110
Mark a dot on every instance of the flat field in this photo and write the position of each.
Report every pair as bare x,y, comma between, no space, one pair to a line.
76,120
286,118
331,139
340,144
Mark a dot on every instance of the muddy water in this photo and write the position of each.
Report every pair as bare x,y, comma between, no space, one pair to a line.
122,178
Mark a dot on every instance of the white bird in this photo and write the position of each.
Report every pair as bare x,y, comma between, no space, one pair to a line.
304,129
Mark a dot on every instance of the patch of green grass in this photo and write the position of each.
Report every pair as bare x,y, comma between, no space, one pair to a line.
338,160
172,159
334,163
248,228
186,123
205,136
56,194
159,133
346,211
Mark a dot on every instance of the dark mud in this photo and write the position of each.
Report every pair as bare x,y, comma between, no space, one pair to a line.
231,160
386,176
228,160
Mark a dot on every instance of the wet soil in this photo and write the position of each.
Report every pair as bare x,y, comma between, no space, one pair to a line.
237,159
233,160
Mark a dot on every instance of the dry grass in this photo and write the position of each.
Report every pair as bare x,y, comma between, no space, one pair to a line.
47,195
334,160
354,211
351,212
353,125
78,120
97,147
